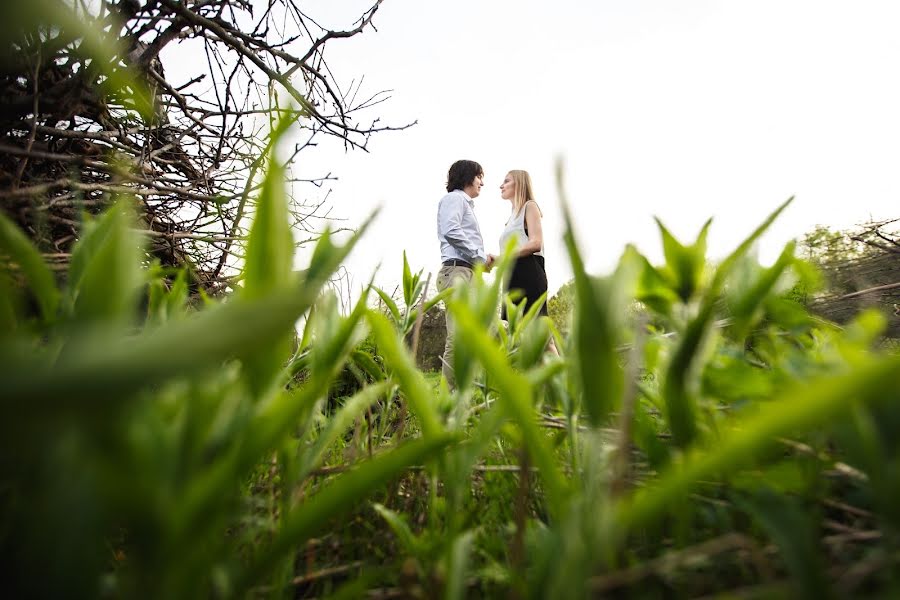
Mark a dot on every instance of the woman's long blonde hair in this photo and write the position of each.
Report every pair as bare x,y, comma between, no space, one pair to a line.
524,191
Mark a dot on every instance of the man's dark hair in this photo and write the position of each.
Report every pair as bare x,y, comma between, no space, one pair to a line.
462,173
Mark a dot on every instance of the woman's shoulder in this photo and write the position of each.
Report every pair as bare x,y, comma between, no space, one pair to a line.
532,203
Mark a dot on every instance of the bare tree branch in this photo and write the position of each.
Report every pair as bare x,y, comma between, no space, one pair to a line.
69,141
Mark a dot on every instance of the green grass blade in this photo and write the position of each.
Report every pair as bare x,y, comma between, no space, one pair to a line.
22,252
401,529
408,283
679,384
747,306
594,359
684,264
532,344
389,302
176,299
269,261
284,413
366,362
724,269
412,383
109,275
458,565
336,336
270,246
598,321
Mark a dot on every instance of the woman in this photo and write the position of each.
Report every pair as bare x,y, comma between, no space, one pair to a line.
524,226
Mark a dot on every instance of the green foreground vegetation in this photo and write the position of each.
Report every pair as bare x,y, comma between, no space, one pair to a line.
701,433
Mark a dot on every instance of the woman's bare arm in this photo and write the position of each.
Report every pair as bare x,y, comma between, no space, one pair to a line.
535,233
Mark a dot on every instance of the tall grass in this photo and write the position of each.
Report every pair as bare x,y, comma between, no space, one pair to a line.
153,448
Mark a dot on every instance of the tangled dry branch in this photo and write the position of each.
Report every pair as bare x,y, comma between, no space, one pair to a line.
70,141
868,278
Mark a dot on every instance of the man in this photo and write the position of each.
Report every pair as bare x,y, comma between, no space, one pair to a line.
462,246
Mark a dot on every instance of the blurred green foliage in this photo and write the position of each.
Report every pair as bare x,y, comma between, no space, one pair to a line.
161,449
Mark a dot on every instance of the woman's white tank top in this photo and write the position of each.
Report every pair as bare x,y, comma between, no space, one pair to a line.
515,229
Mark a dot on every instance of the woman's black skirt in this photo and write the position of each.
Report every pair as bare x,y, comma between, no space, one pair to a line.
530,278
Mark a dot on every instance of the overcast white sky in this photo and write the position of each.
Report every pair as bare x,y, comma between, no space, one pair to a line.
682,110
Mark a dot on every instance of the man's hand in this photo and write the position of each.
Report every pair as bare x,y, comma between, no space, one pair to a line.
489,263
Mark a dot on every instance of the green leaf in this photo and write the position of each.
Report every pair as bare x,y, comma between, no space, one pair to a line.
412,383
684,264
268,263
871,441
730,378
389,302
654,291
162,304
408,283
747,306
156,293
335,336
400,527
101,368
533,343
270,246
681,382
105,275
367,363
646,437
37,274
724,269
790,476
176,300
273,420
458,566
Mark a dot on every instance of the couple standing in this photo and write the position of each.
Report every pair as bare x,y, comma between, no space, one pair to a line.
462,246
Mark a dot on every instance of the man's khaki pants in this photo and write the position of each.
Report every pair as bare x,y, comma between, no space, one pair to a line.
447,277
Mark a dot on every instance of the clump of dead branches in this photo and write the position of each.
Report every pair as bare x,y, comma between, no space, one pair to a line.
862,270
70,140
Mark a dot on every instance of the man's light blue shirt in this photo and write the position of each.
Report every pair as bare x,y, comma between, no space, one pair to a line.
458,230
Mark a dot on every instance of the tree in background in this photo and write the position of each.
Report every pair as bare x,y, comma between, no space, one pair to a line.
87,111
560,306
861,269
